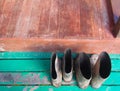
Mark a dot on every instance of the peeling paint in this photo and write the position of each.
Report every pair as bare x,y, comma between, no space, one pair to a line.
6,77
45,80
30,78
51,89
26,88
9,86
34,88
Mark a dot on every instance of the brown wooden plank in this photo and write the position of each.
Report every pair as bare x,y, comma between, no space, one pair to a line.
106,18
117,28
56,19
69,18
36,44
116,8
11,27
116,11
44,19
5,16
86,14
23,21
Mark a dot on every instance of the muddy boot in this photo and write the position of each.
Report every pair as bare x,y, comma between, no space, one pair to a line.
83,70
67,66
101,68
55,69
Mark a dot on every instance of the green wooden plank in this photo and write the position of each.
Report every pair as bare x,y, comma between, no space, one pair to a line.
43,78
24,65
26,55
37,65
113,79
38,55
51,88
115,56
115,65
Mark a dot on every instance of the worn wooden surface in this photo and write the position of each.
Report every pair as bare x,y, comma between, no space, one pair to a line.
39,25
116,9
29,71
49,45
56,19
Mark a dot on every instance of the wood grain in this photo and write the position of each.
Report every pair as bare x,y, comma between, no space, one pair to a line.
50,45
56,19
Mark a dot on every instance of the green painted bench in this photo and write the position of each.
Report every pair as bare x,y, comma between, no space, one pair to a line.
30,71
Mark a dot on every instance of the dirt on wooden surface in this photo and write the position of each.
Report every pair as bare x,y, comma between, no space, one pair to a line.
56,19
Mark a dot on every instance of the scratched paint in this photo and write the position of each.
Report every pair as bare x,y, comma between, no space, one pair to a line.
27,79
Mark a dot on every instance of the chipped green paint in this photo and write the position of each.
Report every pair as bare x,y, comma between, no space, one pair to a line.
29,71
43,78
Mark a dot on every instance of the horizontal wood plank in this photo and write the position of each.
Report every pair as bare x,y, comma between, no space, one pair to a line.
36,65
43,78
39,55
31,70
49,45
51,88
37,61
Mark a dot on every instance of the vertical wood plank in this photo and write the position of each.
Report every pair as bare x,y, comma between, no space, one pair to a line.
106,18
44,18
69,18
48,19
6,15
86,18
23,22
34,19
13,18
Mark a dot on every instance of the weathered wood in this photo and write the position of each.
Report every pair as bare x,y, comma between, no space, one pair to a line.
49,45
25,70
116,8
39,55
56,19
43,78
117,28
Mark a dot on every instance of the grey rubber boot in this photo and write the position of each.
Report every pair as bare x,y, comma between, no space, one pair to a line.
101,68
67,65
83,70
55,69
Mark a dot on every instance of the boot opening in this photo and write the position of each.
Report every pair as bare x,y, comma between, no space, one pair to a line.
105,65
68,61
85,65
54,74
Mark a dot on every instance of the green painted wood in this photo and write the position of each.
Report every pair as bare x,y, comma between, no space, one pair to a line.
18,69
24,65
115,56
38,55
37,65
51,88
43,78
26,55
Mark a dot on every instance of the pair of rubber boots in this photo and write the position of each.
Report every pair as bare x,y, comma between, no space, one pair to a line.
94,70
